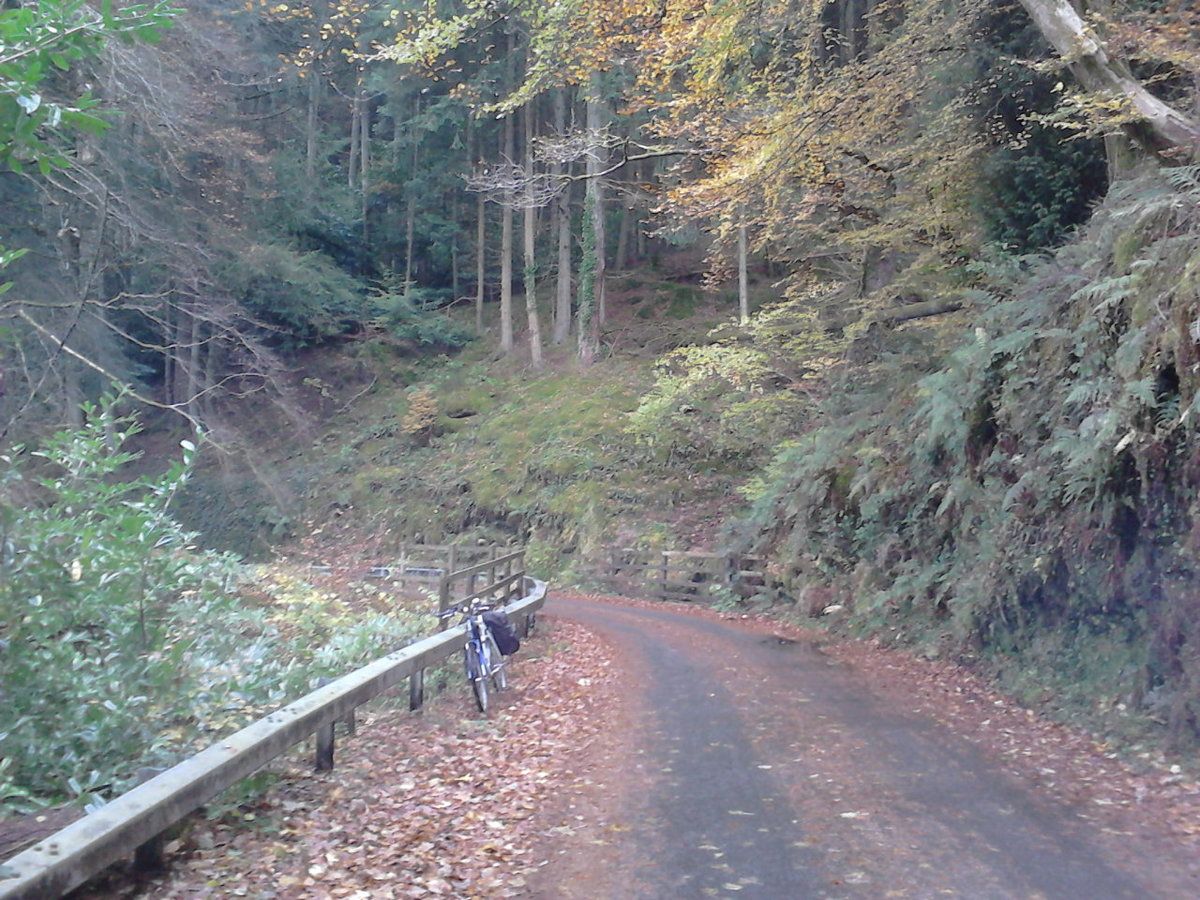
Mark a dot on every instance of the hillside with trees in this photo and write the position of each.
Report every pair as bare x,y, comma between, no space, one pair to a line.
902,296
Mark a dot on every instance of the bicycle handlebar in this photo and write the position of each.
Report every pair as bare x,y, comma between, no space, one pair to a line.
460,609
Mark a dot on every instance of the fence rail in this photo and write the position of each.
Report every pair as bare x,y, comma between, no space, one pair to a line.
420,564
135,821
687,575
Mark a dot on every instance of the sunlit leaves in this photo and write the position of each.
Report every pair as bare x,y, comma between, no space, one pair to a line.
48,37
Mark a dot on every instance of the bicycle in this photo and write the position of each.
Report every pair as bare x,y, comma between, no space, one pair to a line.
481,657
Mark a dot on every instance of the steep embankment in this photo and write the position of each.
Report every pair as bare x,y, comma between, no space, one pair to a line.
1030,501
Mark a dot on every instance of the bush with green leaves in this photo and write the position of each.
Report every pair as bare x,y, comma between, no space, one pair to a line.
719,402
123,645
303,295
403,317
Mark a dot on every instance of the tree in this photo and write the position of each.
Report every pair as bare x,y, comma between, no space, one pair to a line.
562,221
1156,125
530,248
507,153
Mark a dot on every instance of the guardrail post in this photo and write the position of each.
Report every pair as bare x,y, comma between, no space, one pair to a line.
148,857
530,617
351,721
416,690
662,576
324,762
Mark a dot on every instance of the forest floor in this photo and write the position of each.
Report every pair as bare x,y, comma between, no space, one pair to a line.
656,750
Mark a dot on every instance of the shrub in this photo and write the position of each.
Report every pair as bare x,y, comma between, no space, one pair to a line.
715,402
305,296
403,318
421,416
121,645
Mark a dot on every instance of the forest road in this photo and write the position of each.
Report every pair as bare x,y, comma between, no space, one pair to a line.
746,765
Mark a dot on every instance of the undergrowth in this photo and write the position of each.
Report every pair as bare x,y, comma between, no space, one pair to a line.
125,648
1040,481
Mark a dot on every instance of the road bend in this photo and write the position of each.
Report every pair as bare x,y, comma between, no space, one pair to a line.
749,765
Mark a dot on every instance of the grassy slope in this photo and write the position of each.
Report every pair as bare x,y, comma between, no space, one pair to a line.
539,456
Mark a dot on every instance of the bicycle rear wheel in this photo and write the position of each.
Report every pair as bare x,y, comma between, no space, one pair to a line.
476,677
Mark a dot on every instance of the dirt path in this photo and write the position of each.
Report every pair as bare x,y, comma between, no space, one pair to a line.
743,764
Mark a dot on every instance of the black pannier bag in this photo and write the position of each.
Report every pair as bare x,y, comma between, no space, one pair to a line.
503,632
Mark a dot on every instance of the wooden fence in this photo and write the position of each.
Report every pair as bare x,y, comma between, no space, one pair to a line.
425,564
687,575
134,823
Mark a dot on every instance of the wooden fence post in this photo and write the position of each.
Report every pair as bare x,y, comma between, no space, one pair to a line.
443,601
662,576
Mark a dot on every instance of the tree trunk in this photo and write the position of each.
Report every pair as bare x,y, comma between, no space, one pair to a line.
506,244
180,388
480,258
506,216
622,254
69,375
595,122
591,266
530,223
923,309
395,145
352,161
212,364
310,133
562,307
562,212
454,284
193,370
410,213
364,133
743,279
1162,128
168,348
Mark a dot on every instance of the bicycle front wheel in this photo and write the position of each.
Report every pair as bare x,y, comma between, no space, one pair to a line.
476,677
499,665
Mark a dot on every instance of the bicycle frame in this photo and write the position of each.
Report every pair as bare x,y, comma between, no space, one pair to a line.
481,659
477,645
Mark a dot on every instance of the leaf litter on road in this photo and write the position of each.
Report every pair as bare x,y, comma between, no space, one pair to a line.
438,804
